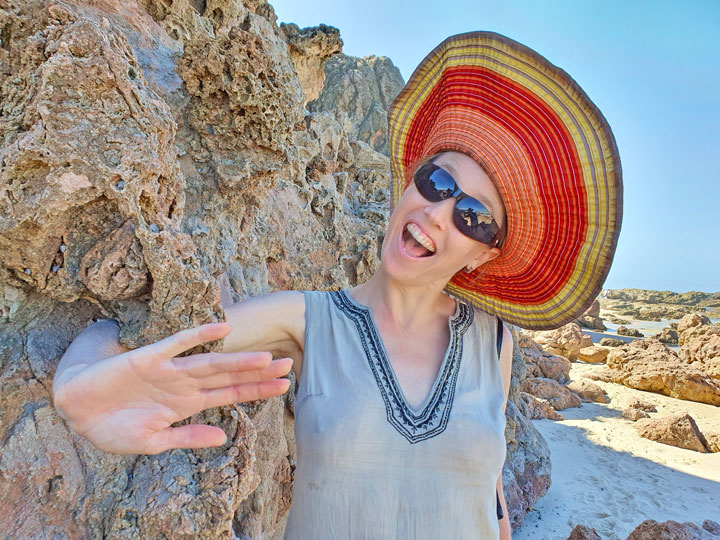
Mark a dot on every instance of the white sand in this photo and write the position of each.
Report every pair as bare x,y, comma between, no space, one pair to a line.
606,476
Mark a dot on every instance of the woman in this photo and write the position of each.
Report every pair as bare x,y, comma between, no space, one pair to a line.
507,204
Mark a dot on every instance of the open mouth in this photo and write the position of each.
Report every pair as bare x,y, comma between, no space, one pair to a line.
416,243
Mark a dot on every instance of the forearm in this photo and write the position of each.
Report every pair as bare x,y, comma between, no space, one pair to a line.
504,523
97,342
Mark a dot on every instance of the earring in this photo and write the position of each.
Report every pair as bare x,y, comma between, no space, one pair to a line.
469,269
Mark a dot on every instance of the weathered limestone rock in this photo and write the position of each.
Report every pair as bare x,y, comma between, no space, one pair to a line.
565,341
713,441
591,318
588,391
559,396
148,153
593,355
631,332
634,414
583,532
363,88
611,342
535,408
540,363
672,530
676,430
649,365
642,405
668,335
310,48
692,325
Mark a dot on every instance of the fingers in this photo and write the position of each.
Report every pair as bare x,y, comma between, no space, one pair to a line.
190,436
243,392
187,339
277,368
204,365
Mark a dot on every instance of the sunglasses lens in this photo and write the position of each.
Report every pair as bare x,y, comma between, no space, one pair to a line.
473,219
434,183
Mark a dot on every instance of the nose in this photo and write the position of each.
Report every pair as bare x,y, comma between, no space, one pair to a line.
440,213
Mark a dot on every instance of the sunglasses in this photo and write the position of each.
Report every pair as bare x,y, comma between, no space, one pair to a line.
470,216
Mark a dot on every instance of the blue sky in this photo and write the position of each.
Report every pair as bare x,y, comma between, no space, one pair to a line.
653,69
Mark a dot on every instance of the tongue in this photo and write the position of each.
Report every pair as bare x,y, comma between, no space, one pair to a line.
413,247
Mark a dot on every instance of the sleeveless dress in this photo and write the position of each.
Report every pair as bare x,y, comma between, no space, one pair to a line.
369,466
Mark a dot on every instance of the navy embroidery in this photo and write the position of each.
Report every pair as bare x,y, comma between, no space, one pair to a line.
433,419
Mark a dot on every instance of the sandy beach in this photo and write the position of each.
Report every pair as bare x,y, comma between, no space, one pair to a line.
606,476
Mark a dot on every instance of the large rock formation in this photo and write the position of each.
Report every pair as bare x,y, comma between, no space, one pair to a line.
672,530
363,88
699,341
153,155
649,365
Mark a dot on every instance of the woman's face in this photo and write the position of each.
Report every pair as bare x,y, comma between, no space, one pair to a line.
450,250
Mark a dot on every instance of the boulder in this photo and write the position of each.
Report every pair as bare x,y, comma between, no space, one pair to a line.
589,392
593,355
672,530
536,408
559,396
564,341
690,321
631,332
649,365
634,414
676,430
611,342
591,318
703,352
642,405
667,335
713,441
583,532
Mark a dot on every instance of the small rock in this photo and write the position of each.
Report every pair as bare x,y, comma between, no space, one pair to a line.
631,332
588,391
593,354
611,342
634,414
668,335
676,430
536,408
642,405
583,532
669,530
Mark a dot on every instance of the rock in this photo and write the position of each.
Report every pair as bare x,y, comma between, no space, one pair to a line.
593,355
703,352
588,391
642,405
634,414
670,530
362,88
310,48
668,335
676,430
690,321
603,374
711,526
542,364
631,332
611,342
649,365
535,408
591,318
713,441
558,395
565,341
583,532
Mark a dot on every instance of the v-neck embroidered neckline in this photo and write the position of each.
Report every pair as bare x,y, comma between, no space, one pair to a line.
431,417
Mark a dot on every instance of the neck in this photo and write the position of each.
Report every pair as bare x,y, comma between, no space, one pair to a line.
403,306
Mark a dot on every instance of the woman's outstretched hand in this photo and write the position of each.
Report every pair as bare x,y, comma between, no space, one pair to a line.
127,403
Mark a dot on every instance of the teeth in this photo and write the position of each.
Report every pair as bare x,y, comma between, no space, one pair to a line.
420,237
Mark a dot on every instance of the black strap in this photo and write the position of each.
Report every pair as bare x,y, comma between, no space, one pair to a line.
500,514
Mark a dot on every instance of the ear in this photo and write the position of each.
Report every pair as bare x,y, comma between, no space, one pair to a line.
485,256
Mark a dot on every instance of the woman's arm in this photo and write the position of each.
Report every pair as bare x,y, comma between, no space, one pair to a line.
125,400
506,369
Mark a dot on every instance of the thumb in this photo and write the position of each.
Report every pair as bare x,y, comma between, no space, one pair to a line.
190,436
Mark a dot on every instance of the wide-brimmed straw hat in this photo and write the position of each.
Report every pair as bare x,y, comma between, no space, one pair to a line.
549,151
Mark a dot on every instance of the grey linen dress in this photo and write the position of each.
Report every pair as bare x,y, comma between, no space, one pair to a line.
371,467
